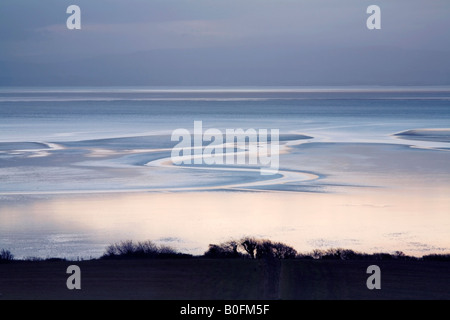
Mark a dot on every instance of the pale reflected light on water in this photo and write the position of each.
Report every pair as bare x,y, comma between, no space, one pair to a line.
415,222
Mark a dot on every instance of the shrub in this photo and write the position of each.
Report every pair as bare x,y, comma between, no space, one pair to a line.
33,259
227,249
436,257
217,251
145,250
317,254
55,259
340,254
268,249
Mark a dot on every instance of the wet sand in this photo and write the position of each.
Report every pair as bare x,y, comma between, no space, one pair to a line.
366,197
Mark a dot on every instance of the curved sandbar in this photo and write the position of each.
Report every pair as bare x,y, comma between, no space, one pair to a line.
435,135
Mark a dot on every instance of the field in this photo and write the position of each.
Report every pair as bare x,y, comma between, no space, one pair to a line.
229,279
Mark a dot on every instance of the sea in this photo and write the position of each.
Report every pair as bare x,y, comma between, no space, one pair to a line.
83,167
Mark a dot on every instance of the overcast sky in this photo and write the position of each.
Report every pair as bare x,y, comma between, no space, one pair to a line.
224,42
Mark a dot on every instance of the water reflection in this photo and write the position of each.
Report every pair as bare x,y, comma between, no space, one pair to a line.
416,222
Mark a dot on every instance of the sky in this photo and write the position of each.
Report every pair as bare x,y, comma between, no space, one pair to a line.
224,43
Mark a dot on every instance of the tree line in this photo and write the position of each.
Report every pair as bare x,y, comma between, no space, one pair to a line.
252,248
244,248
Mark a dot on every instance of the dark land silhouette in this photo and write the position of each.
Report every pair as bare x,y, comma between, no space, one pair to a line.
241,269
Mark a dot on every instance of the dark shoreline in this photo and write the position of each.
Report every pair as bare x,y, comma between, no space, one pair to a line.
200,278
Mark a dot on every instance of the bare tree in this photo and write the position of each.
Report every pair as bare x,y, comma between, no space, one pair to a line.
125,247
249,245
264,249
232,246
6,255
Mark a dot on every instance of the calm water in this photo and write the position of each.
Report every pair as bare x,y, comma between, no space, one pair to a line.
73,114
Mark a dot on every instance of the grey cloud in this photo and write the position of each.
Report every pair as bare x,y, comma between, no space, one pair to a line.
224,42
